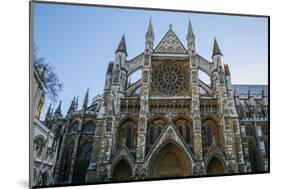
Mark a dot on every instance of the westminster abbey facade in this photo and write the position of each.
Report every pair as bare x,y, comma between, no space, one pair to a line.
167,124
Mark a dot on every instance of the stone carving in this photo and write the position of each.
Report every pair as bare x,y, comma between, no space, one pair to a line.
198,170
116,74
193,61
146,60
230,167
197,125
194,76
170,133
145,76
142,124
109,125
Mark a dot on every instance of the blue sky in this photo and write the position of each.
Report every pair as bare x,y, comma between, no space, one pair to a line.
79,42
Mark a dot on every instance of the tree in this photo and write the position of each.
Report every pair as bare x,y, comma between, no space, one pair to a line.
50,79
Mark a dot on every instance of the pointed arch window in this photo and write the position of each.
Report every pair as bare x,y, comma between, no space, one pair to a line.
129,138
208,136
151,135
73,128
181,129
187,135
158,131
82,162
89,128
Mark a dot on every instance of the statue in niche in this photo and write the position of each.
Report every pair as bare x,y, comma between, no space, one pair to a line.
194,77
108,125
142,123
145,76
116,74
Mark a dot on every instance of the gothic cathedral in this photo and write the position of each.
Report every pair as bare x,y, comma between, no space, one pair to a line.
167,124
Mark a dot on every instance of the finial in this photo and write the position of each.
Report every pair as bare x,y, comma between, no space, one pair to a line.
216,48
86,99
58,110
170,25
122,45
190,34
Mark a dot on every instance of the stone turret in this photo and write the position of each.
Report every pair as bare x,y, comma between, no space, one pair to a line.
72,106
149,37
48,114
190,39
86,99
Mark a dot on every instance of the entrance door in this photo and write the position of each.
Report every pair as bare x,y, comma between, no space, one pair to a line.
170,162
215,167
122,171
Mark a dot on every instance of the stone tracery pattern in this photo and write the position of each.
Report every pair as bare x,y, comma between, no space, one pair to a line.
170,44
169,78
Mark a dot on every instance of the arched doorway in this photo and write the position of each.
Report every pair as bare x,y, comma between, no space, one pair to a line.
122,171
215,167
170,161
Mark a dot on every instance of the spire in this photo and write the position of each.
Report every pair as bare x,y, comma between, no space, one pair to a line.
72,106
76,103
190,40
122,46
149,37
48,114
86,99
216,49
58,110
150,29
190,34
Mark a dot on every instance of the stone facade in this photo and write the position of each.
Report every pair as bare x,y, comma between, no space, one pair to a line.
44,141
169,123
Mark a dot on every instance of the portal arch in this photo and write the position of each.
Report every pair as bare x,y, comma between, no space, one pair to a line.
122,171
169,161
215,166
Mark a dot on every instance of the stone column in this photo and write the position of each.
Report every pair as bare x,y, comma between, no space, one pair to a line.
75,150
261,145
60,152
246,149
195,109
144,109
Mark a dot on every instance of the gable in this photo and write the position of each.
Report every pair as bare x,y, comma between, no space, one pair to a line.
170,44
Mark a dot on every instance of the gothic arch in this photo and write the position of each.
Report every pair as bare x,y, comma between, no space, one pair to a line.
255,159
127,133
154,128
82,161
215,165
74,126
76,119
34,177
122,169
67,157
38,145
211,132
169,160
89,127
45,179
184,126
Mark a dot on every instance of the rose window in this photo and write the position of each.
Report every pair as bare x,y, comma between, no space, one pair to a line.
169,78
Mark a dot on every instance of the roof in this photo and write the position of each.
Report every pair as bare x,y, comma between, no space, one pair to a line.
216,49
254,89
122,46
170,43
